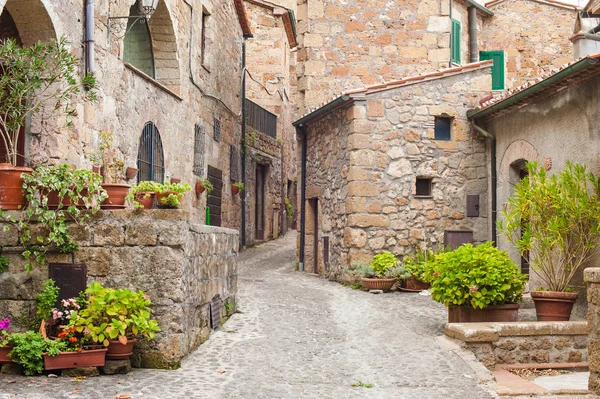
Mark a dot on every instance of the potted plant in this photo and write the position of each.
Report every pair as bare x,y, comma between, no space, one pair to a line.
72,350
202,185
236,188
111,167
476,283
171,194
5,348
381,274
416,264
142,194
556,219
114,318
32,78
28,351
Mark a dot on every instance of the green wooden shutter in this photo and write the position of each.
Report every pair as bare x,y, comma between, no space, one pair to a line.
455,41
497,69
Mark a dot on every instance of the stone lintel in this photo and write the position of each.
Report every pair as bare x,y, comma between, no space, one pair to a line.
491,332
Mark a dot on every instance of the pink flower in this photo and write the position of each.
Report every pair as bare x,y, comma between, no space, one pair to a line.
473,289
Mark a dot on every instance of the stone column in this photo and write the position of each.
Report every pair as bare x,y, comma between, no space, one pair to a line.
592,277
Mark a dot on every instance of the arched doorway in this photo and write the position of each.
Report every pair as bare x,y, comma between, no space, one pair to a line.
518,171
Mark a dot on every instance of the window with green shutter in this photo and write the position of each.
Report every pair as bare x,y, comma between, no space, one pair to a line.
497,69
455,41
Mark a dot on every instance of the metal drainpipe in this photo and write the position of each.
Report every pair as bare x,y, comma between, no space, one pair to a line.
243,145
492,140
89,37
473,51
451,38
591,36
302,202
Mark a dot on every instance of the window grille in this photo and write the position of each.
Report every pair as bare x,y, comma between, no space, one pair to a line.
217,129
151,160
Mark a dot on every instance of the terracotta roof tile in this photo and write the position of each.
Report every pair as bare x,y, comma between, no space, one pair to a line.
242,17
550,2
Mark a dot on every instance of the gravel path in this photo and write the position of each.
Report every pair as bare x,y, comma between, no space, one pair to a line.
297,336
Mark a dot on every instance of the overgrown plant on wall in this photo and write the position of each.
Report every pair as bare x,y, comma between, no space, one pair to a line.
33,77
556,219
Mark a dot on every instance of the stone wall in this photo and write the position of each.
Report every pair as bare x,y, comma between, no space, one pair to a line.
592,276
363,162
524,343
350,44
184,92
181,265
533,34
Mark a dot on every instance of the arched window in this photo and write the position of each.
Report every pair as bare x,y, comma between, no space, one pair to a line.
151,160
138,44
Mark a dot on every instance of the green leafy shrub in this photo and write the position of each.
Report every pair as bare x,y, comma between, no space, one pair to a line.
45,302
3,261
28,350
207,185
417,262
476,276
556,219
382,262
239,185
289,209
173,193
142,190
114,314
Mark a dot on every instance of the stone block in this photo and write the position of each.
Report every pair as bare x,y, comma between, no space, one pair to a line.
358,141
108,235
356,173
368,220
419,53
400,168
354,238
141,233
375,108
97,260
594,355
362,189
80,372
356,205
173,234
438,55
81,234
112,367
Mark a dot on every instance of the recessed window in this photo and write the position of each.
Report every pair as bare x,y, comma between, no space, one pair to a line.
204,38
151,160
423,186
442,128
138,44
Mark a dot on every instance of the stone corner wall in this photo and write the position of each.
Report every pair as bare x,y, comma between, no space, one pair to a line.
181,265
592,277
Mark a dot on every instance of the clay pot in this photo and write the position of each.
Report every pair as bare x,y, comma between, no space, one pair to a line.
146,201
11,184
160,196
116,196
4,351
411,284
131,173
117,351
499,313
175,180
384,284
553,305
199,189
72,360
234,190
53,200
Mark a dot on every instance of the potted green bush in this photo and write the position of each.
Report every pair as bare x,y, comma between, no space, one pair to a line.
33,79
476,283
171,194
114,318
416,264
236,188
380,274
556,219
202,185
142,194
5,348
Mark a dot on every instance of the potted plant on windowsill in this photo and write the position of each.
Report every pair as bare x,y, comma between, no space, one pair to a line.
143,194
110,165
114,318
381,274
202,185
171,194
236,188
556,220
31,79
476,284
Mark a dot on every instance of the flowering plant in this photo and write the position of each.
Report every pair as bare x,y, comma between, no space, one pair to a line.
4,326
62,315
74,340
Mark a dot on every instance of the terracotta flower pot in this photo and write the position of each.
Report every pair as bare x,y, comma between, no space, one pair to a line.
199,188
553,305
117,351
53,200
131,173
411,284
11,183
116,195
235,190
384,284
159,199
175,180
71,360
466,314
4,351
145,199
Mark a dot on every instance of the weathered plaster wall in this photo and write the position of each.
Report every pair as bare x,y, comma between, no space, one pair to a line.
128,100
538,132
533,34
351,44
180,265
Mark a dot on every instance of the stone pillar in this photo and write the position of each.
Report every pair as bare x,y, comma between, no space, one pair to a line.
592,277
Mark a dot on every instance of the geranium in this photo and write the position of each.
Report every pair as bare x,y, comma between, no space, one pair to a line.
5,324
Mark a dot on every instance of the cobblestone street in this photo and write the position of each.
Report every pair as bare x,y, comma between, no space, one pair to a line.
297,336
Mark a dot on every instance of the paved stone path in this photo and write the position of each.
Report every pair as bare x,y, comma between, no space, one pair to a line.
297,336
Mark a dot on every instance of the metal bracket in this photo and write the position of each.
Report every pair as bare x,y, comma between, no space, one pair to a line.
120,26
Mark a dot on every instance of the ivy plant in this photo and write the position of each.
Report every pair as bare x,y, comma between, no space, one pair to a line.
556,219
477,276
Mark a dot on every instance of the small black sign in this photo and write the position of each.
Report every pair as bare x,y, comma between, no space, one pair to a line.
71,278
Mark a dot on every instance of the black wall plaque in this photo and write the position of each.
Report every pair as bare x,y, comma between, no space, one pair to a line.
71,278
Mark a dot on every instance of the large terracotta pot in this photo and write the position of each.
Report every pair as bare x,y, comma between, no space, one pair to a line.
234,190
553,305
116,196
466,314
117,351
411,284
384,284
53,200
11,184
72,360
4,351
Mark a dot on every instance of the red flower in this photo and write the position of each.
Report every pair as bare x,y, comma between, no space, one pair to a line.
73,339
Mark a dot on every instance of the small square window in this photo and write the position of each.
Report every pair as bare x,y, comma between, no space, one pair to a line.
423,186
442,128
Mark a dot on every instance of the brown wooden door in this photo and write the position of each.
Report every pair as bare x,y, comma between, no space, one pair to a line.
456,238
259,206
215,177
314,205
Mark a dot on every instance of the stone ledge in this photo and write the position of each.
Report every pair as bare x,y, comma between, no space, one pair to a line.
491,332
592,275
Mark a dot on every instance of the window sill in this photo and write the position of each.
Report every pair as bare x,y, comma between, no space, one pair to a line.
423,196
152,80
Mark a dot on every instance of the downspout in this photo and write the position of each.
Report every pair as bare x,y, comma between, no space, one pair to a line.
473,51
451,38
494,173
89,37
243,146
302,201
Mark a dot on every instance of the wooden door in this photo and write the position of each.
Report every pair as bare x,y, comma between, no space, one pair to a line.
259,206
215,177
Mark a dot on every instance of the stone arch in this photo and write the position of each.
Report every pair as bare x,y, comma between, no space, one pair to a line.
164,47
31,19
514,158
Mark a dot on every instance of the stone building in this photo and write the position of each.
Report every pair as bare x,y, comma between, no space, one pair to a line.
393,166
271,160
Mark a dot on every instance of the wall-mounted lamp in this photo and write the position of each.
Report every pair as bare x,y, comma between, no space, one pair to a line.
146,9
